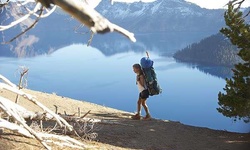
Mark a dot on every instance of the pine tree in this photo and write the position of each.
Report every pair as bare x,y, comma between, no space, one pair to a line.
235,101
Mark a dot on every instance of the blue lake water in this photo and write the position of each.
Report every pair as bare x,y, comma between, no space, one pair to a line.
85,73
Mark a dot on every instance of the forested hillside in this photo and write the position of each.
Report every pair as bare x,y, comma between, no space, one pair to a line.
214,50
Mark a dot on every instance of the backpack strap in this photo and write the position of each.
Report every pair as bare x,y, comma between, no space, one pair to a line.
138,77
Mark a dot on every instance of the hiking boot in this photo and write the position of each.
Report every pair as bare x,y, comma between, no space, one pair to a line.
136,117
147,117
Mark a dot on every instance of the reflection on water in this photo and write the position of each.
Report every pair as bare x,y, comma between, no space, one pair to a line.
41,42
217,71
85,73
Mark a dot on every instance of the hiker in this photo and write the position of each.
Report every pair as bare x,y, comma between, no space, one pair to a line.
143,93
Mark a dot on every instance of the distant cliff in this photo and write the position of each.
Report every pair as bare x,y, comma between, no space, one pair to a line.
214,50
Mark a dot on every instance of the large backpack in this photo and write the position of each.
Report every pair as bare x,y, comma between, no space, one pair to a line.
150,76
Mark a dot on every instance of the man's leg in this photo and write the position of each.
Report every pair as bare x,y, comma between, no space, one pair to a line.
145,106
138,115
139,102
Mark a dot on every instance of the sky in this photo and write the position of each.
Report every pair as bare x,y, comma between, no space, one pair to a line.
130,1
214,4
209,4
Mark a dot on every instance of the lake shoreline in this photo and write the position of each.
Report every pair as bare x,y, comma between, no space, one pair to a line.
116,86
133,134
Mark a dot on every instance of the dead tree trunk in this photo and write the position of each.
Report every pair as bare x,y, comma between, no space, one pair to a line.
22,74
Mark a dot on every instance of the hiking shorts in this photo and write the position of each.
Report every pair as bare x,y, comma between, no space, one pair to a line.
144,94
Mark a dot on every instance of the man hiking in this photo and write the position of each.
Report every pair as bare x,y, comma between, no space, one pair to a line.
143,93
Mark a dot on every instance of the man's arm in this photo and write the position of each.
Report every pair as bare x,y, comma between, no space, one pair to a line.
142,81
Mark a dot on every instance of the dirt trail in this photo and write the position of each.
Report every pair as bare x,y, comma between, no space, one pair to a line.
121,132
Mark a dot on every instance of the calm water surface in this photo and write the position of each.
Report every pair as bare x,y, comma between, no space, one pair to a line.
84,73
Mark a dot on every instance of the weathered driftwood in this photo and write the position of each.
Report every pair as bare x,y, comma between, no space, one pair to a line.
18,113
20,120
89,17
11,87
14,127
5,27
24,113
23,72
71,118
80,10
80,125
6,81
47,138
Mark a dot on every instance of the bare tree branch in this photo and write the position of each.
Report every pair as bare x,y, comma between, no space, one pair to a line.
49,12
30,27
81,10
21,121
31,98
18,113
22,3
89,17
3,4
91,38
37,7
14,127
23,71
247,14
237,2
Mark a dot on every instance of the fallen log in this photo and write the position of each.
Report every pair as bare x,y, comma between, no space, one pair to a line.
18,114
15,128
31,98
